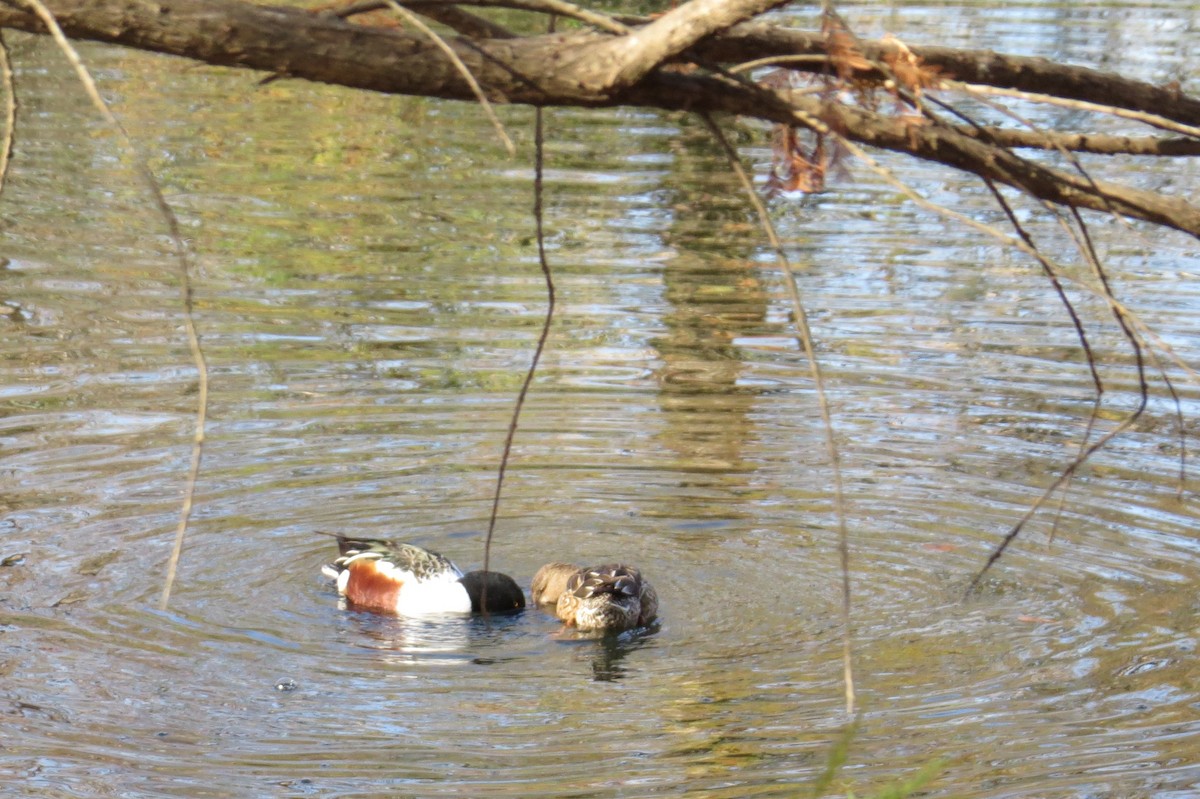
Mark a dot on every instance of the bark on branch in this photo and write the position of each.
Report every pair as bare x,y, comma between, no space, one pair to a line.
673,62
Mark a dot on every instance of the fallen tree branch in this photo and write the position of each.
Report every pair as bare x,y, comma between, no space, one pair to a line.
10,112
594,69
760,40
678,30
1096,144
1154,120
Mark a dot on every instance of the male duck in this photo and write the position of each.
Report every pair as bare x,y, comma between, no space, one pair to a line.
410,581
611,597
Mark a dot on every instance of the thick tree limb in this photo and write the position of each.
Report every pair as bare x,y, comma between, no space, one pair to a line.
463,22
562,8
678,30
942,144
949,146
759,40
601,69
1099,144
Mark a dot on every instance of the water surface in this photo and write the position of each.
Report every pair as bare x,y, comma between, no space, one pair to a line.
368,297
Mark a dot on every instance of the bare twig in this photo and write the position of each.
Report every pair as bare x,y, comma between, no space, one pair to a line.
1049,269
1127,321
416,22
559,8
1083,242
1179,424
1068,143
776,60
1048,264
555,8
1094,412
804,334
10,110
1094,143
1057,483
452,16
1134,340
539,225
1081,334
184,262
1153,120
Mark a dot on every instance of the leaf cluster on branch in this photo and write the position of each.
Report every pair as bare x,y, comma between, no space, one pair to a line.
706,56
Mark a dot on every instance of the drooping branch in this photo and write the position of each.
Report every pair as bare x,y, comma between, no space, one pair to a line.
942,144
950,146
1098,144
759,40
673,62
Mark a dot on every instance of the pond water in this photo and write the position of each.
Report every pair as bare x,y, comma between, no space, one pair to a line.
368,297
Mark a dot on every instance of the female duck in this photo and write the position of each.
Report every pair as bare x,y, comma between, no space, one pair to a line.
410,581
610,598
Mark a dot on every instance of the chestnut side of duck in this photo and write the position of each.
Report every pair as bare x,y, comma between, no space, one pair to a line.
408,580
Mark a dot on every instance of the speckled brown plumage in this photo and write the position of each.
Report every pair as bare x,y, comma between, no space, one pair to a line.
609,597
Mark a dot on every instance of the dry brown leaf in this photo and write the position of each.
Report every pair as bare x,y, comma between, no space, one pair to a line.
910,72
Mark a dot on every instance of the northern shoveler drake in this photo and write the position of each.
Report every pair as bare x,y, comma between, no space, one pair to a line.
410,581
611,597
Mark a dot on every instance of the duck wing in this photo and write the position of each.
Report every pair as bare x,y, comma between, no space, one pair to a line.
423,564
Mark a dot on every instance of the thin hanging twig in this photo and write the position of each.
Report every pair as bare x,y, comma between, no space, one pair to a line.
539,225
1080,333
1098,270
804,334
1024,243
1153,120
1127,320
1094,412
1127,328
1083,244
10,110
184,262
416,22
1066,473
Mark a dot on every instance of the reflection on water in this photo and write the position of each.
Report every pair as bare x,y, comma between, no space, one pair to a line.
446,639
606,651
368,298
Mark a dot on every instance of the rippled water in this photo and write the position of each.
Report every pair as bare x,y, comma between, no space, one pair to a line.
368,298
